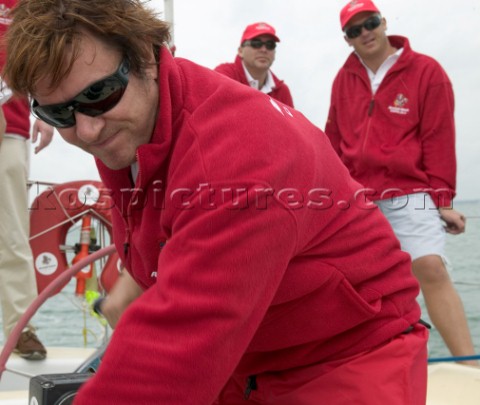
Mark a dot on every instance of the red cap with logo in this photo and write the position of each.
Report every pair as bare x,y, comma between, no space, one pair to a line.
257,29
355,7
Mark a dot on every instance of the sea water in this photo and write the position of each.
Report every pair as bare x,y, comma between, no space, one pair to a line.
64,320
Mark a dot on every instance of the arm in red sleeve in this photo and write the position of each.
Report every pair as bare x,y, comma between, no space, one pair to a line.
437,132
181,340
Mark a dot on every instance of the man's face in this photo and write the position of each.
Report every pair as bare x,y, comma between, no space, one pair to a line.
257,59
115,135
369,43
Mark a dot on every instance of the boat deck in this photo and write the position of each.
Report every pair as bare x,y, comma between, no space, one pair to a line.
448,383
453,384
17,375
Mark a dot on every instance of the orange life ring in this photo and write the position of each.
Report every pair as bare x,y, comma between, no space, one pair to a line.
53,212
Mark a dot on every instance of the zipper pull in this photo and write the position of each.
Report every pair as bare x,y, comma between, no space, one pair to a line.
251,386
370,107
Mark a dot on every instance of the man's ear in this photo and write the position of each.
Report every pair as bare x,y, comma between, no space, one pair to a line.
240,52
347,40
151,72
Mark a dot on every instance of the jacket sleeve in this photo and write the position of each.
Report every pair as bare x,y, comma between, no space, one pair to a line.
181,340
437,133
331,128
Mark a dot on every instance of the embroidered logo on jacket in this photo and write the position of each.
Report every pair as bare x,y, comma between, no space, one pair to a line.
282,110
399,104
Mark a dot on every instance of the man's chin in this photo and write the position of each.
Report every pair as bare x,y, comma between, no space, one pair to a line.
115,164
264,65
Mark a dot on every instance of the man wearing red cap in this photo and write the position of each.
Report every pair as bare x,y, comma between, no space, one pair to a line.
256,54
391,122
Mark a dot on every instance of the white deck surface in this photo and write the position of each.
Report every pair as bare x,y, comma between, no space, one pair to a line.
14,386
453,384
448,383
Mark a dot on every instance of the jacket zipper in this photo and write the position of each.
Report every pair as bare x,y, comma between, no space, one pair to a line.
371,106
128,225
126,243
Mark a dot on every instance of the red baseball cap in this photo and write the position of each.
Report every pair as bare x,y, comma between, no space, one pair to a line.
257,29
355,7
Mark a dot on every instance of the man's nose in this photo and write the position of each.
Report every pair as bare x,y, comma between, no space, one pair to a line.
88,129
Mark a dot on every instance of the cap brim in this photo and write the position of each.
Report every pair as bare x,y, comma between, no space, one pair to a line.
257,34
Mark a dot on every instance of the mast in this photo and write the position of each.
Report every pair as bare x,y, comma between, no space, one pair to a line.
168,12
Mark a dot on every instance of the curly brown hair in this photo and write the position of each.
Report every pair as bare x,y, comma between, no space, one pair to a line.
42,30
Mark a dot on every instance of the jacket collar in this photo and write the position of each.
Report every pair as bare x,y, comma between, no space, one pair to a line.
353,62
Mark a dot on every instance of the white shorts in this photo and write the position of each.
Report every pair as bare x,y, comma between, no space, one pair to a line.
416,223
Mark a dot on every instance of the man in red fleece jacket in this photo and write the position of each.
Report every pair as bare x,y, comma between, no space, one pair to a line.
391,122
257,272
255,57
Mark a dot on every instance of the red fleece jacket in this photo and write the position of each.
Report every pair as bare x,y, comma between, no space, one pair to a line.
17,111
254,255
236,72
402,139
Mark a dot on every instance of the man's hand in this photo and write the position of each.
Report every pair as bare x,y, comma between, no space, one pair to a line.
46,133
454,220
120,297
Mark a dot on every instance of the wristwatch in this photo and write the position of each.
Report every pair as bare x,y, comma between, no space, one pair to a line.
97,305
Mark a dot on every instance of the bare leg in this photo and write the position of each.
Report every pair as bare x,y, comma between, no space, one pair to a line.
444,305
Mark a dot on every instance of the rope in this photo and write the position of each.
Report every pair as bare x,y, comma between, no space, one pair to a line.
455,358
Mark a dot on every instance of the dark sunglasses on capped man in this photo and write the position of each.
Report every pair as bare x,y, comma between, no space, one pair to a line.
94,100
258,43
369,24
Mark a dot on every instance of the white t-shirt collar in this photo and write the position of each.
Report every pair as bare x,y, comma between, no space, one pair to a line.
377,78
267,87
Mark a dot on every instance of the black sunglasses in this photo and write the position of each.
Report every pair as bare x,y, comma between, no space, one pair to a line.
369,24
258,43
96,99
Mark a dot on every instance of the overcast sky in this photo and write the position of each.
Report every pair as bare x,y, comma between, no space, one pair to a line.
311,51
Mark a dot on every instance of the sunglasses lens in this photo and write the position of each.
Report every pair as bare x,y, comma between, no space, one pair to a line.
256,43
100,97
354,31
58,116
372,23
270,45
